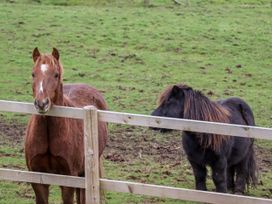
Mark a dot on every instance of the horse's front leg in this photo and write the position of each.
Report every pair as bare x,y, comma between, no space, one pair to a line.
81,192
230,178
41,193
219,175
200,173
67,195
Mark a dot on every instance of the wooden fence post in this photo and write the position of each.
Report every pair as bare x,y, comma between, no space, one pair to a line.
92,183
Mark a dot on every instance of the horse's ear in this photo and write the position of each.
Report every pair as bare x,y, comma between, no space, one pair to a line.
36,54
55,53
177,92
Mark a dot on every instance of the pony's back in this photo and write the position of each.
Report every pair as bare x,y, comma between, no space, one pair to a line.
241,108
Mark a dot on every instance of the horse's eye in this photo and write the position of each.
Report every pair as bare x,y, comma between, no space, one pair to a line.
56,75
33,75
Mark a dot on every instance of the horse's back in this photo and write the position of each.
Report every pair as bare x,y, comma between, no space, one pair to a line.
83,95
241,112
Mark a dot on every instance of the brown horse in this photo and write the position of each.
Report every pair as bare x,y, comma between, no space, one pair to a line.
54,144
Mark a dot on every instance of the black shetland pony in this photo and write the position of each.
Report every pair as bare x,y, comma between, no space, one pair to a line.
232,159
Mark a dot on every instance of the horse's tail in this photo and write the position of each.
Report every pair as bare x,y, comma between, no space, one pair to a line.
252,170
246,113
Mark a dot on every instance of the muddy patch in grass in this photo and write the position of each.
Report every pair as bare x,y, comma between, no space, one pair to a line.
11,132
128,143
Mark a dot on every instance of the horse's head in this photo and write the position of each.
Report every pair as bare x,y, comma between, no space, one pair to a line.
47,79
171,104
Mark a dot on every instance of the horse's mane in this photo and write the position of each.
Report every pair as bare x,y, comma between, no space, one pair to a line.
198,107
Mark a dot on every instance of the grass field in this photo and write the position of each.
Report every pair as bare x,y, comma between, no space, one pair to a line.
131,53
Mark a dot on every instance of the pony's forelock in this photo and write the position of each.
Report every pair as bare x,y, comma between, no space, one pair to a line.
167,92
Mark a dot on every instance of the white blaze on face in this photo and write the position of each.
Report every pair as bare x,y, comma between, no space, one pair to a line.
41,87
44,68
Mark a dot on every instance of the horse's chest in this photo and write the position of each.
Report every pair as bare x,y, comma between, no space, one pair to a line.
66,141
195,152
50,164
62,155
56,146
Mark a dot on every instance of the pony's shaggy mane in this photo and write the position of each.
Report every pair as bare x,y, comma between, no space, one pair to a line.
199,107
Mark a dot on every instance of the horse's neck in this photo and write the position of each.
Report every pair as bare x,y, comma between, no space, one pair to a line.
63,100
50,124
200,107
67,102
206,110
59,121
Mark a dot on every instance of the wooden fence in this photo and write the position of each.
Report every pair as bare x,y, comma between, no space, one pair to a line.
92,183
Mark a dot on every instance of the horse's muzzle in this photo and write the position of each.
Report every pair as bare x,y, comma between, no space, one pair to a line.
42,106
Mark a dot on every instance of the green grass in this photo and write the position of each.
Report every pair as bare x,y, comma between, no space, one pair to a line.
131,53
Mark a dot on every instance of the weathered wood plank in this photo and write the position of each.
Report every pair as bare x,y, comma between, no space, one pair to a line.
130,187
179,193
43,178
186,125
92,184
147,121
28,108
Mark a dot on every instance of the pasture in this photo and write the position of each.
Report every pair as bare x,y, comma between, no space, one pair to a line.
131,53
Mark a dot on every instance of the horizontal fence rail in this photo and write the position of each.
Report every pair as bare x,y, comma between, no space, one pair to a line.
146,121
42,178
186,125
28,108
179,193
130,187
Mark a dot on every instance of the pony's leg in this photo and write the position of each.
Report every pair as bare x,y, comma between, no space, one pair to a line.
200,173
219,175
41,192
241,173
67,195
230,178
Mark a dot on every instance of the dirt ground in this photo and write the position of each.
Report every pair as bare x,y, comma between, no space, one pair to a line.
131,142
12,132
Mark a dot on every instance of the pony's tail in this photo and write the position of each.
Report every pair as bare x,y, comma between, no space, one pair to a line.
252,169
252,173
247,113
